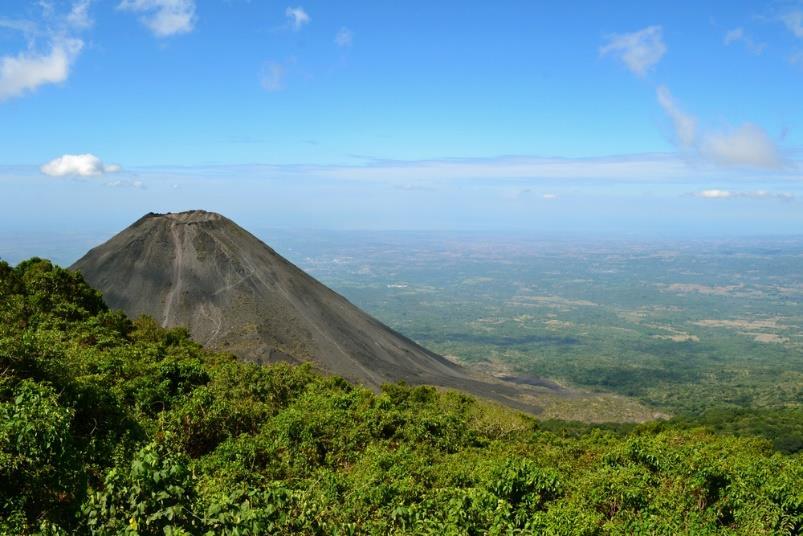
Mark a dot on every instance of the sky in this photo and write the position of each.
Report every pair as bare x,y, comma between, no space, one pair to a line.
665,118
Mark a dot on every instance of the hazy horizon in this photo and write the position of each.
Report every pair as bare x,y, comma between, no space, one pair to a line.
64,247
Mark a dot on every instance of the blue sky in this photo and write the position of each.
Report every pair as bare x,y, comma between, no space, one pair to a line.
635,117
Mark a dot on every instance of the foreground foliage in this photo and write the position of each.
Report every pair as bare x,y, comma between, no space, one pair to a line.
109,426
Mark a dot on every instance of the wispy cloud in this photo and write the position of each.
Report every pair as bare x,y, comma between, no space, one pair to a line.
794,22
732,36
344,37
136,184
738,35
685,125
78,165
745,146
272,77
78,17
163,17
640,51
298,17
19,25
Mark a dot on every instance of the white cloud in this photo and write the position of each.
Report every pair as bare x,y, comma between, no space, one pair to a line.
737,35
745,146
298,17
164,17
27,70
272,77
78,16
344,37
748,145
794,22
685,125
53,46
549,197
639,51
714,194
756,194
78,165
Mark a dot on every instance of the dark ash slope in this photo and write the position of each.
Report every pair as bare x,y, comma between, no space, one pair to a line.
234,293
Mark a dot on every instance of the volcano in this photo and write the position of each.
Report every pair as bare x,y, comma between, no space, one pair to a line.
234,293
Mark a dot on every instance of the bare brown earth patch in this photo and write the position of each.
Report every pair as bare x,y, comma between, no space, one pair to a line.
768,323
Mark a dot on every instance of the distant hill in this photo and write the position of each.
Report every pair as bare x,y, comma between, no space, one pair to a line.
234,293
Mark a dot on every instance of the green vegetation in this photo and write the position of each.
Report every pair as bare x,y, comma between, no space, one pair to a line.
784,427
109,426
684,327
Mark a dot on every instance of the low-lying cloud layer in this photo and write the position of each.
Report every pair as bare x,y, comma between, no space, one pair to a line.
756,194
645,169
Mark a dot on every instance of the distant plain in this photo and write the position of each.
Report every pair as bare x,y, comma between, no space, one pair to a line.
681,326
642,328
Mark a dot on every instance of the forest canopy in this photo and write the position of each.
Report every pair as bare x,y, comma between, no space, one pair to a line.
110,425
